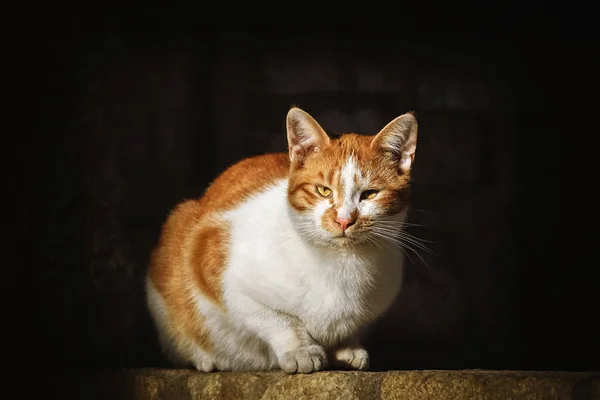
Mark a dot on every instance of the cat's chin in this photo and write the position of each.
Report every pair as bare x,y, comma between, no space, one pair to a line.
343,242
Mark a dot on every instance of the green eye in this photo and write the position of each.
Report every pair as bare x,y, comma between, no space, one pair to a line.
368,194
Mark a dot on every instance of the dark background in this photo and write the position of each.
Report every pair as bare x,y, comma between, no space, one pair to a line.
120,119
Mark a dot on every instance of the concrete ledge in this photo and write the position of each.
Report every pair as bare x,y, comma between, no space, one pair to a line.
393,385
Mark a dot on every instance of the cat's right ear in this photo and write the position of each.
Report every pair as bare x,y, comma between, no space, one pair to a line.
398,139
304,134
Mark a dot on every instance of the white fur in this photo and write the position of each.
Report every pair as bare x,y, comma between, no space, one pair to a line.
352,192
273,273
287,299
160,316
350,171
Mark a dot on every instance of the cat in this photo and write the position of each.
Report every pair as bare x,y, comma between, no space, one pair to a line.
287,258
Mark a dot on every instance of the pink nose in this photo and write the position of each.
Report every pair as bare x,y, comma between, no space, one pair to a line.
345,223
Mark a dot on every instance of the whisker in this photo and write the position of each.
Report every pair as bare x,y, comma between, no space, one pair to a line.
402,242
397,223
407,246
414,238
406,232
412,241
418,255
374,242
405,235
416,243
397,244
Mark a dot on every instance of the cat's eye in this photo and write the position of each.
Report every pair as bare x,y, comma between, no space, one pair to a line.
323,191
368,194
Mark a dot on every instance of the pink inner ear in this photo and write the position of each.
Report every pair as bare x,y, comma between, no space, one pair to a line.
298,153
301,151
406,162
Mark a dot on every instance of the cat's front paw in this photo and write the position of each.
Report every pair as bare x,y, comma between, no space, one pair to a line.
355,358
303,360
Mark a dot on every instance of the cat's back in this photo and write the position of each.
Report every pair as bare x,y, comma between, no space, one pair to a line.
194,230
243,180
231,188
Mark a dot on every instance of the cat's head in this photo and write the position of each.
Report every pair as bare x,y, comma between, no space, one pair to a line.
351,190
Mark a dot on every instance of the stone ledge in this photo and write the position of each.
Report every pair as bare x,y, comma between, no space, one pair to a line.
392,385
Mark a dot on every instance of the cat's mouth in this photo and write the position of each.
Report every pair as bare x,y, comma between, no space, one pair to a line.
351,241
342,241
350,234
344,237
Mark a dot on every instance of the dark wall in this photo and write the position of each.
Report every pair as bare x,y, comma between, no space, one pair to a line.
132,121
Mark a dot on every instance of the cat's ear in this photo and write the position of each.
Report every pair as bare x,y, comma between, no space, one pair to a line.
305,135
398,139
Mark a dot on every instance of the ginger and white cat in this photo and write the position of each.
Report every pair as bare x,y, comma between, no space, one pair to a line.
287,258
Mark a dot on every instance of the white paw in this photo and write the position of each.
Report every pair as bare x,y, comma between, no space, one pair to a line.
204,363
356,358
303,360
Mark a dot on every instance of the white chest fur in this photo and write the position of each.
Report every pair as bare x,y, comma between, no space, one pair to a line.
334,293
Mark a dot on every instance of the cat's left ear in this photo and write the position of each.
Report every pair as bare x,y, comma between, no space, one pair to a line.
398,139
305,135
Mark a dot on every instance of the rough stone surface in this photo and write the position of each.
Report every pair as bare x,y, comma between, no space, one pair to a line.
395,385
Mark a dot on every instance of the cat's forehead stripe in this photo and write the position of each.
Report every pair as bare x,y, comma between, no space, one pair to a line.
349,176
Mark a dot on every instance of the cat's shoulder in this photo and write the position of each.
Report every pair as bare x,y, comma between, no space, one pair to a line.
255,172
246,178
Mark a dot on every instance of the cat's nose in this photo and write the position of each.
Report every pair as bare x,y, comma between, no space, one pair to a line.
345,223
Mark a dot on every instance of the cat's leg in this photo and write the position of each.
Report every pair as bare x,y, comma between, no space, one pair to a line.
203,361
301,358
296,350
351,355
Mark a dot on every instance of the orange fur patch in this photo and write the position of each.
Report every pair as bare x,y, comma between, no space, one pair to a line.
209,251
192,245
248,177
168,273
